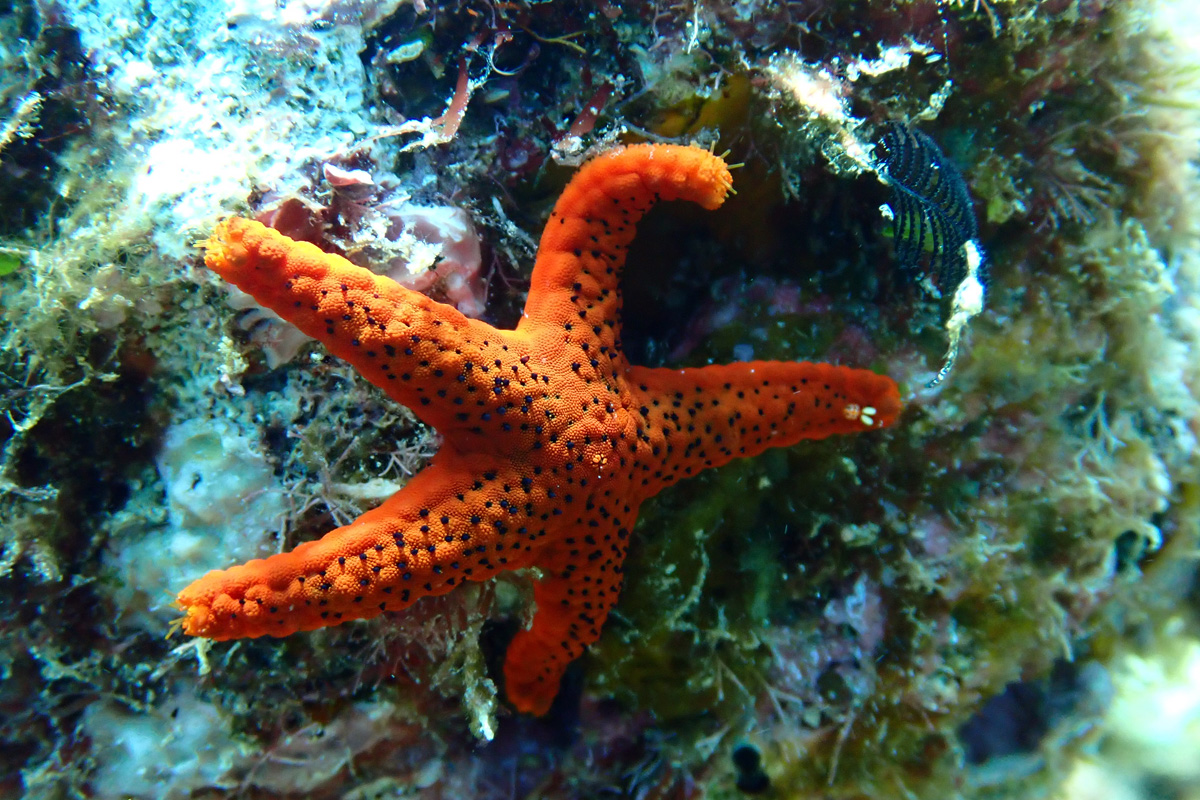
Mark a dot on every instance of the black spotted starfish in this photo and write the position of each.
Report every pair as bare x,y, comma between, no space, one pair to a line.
551,439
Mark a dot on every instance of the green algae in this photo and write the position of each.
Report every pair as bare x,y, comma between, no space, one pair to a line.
10,262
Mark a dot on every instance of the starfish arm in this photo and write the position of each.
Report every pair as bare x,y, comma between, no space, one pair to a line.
451,523
697,418
582,581
575,280
422,353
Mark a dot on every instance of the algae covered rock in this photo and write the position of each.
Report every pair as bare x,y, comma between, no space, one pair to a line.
981,601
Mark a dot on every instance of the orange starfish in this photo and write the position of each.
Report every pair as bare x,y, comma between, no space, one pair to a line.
552,440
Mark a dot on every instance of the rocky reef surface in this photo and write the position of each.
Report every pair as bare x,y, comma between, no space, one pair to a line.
994,598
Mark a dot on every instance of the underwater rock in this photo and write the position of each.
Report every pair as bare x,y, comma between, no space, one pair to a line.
840,611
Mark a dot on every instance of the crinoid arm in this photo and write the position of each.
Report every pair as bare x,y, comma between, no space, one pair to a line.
934,226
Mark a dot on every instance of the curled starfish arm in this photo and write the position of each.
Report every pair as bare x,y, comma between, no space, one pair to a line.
451,523
576,277
424,354
704,417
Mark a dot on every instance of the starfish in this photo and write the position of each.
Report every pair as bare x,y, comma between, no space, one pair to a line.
551,439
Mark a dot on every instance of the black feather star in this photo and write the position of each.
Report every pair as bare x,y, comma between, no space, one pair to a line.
933,217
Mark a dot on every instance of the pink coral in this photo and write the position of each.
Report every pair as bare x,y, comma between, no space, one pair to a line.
458,273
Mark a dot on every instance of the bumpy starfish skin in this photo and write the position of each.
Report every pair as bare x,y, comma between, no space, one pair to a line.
551,439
